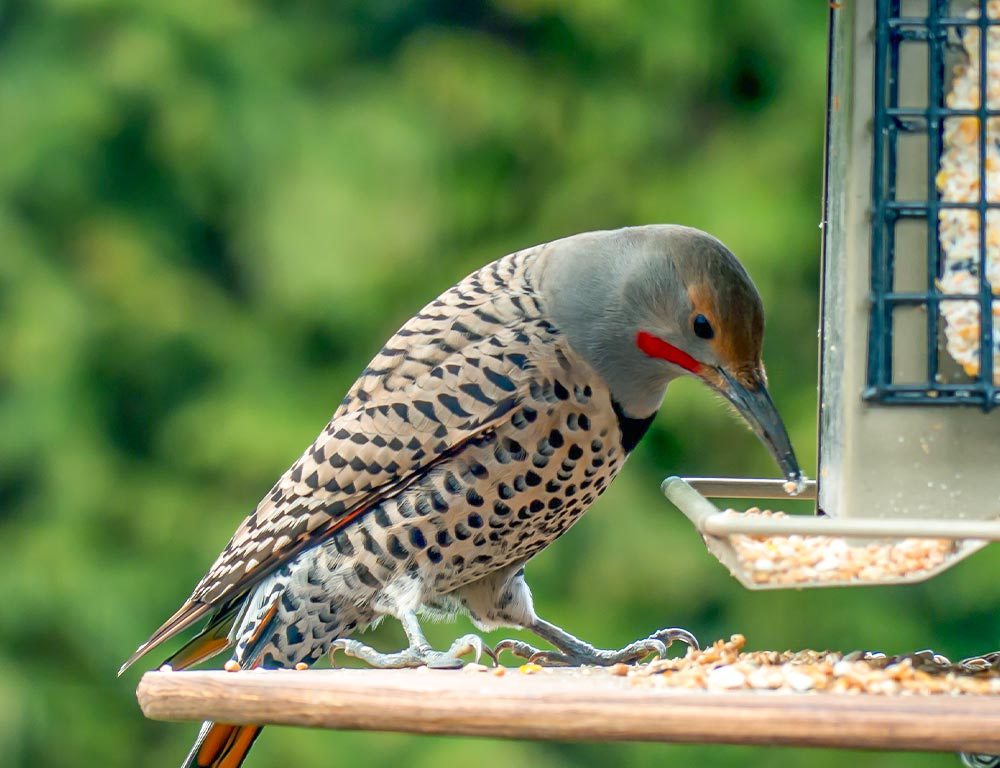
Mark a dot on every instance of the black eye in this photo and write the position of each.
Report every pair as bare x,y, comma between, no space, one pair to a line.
702,328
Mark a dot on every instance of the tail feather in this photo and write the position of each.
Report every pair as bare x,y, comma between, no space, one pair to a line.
185,616
220,745
212,640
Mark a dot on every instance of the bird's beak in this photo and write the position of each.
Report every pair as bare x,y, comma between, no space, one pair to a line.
755,405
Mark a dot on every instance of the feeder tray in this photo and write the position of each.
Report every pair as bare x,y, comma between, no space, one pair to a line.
719,528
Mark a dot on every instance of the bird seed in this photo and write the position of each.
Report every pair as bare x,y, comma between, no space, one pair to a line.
959,180
725,666
798,559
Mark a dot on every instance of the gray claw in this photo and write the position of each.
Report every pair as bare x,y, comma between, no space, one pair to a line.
470,644
551,658
518,648
669,635
637,651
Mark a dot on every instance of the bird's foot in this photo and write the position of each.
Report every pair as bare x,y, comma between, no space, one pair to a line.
577,653
415,655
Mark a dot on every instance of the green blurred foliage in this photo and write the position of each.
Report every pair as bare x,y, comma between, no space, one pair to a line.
212,214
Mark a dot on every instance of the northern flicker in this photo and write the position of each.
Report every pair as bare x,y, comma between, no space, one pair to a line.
477,436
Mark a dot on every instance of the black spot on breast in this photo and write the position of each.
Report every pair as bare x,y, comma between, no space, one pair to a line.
475,520
405,507
473,498
540,460
532,478
515,448
434,554
293,635
370,544
631,429
343,543
451,483
366,576
396,549
444,538
417,538
478,471
381,517
561,392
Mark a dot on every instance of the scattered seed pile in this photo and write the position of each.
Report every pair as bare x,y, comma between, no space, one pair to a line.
958,181
798,559
725,667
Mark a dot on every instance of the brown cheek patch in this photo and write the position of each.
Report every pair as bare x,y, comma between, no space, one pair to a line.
735,341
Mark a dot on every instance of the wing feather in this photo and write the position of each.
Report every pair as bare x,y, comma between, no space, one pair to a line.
452,374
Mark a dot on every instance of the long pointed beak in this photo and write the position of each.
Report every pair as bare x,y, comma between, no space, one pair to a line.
756,406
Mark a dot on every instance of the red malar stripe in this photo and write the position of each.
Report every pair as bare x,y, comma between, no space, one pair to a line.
657,347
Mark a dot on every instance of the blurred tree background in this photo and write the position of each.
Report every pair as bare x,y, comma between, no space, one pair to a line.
212,214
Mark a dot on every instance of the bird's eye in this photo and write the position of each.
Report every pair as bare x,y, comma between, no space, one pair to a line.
702,328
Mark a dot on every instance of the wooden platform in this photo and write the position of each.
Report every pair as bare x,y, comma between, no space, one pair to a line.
569,705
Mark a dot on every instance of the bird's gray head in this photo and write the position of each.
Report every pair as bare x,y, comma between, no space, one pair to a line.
644,305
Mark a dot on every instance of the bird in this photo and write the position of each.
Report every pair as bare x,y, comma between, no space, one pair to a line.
479,434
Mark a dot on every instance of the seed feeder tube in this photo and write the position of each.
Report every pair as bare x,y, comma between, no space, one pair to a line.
909,431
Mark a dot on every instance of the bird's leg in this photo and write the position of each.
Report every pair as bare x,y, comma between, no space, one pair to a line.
503,599
417,654
575,652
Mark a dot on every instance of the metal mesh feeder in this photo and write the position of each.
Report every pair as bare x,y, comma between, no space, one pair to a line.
911,265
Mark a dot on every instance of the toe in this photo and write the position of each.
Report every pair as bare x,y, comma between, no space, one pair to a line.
443,661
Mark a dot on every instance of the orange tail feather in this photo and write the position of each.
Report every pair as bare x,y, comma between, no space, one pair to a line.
222,746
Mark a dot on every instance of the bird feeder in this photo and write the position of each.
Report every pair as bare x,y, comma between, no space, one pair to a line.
909,432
